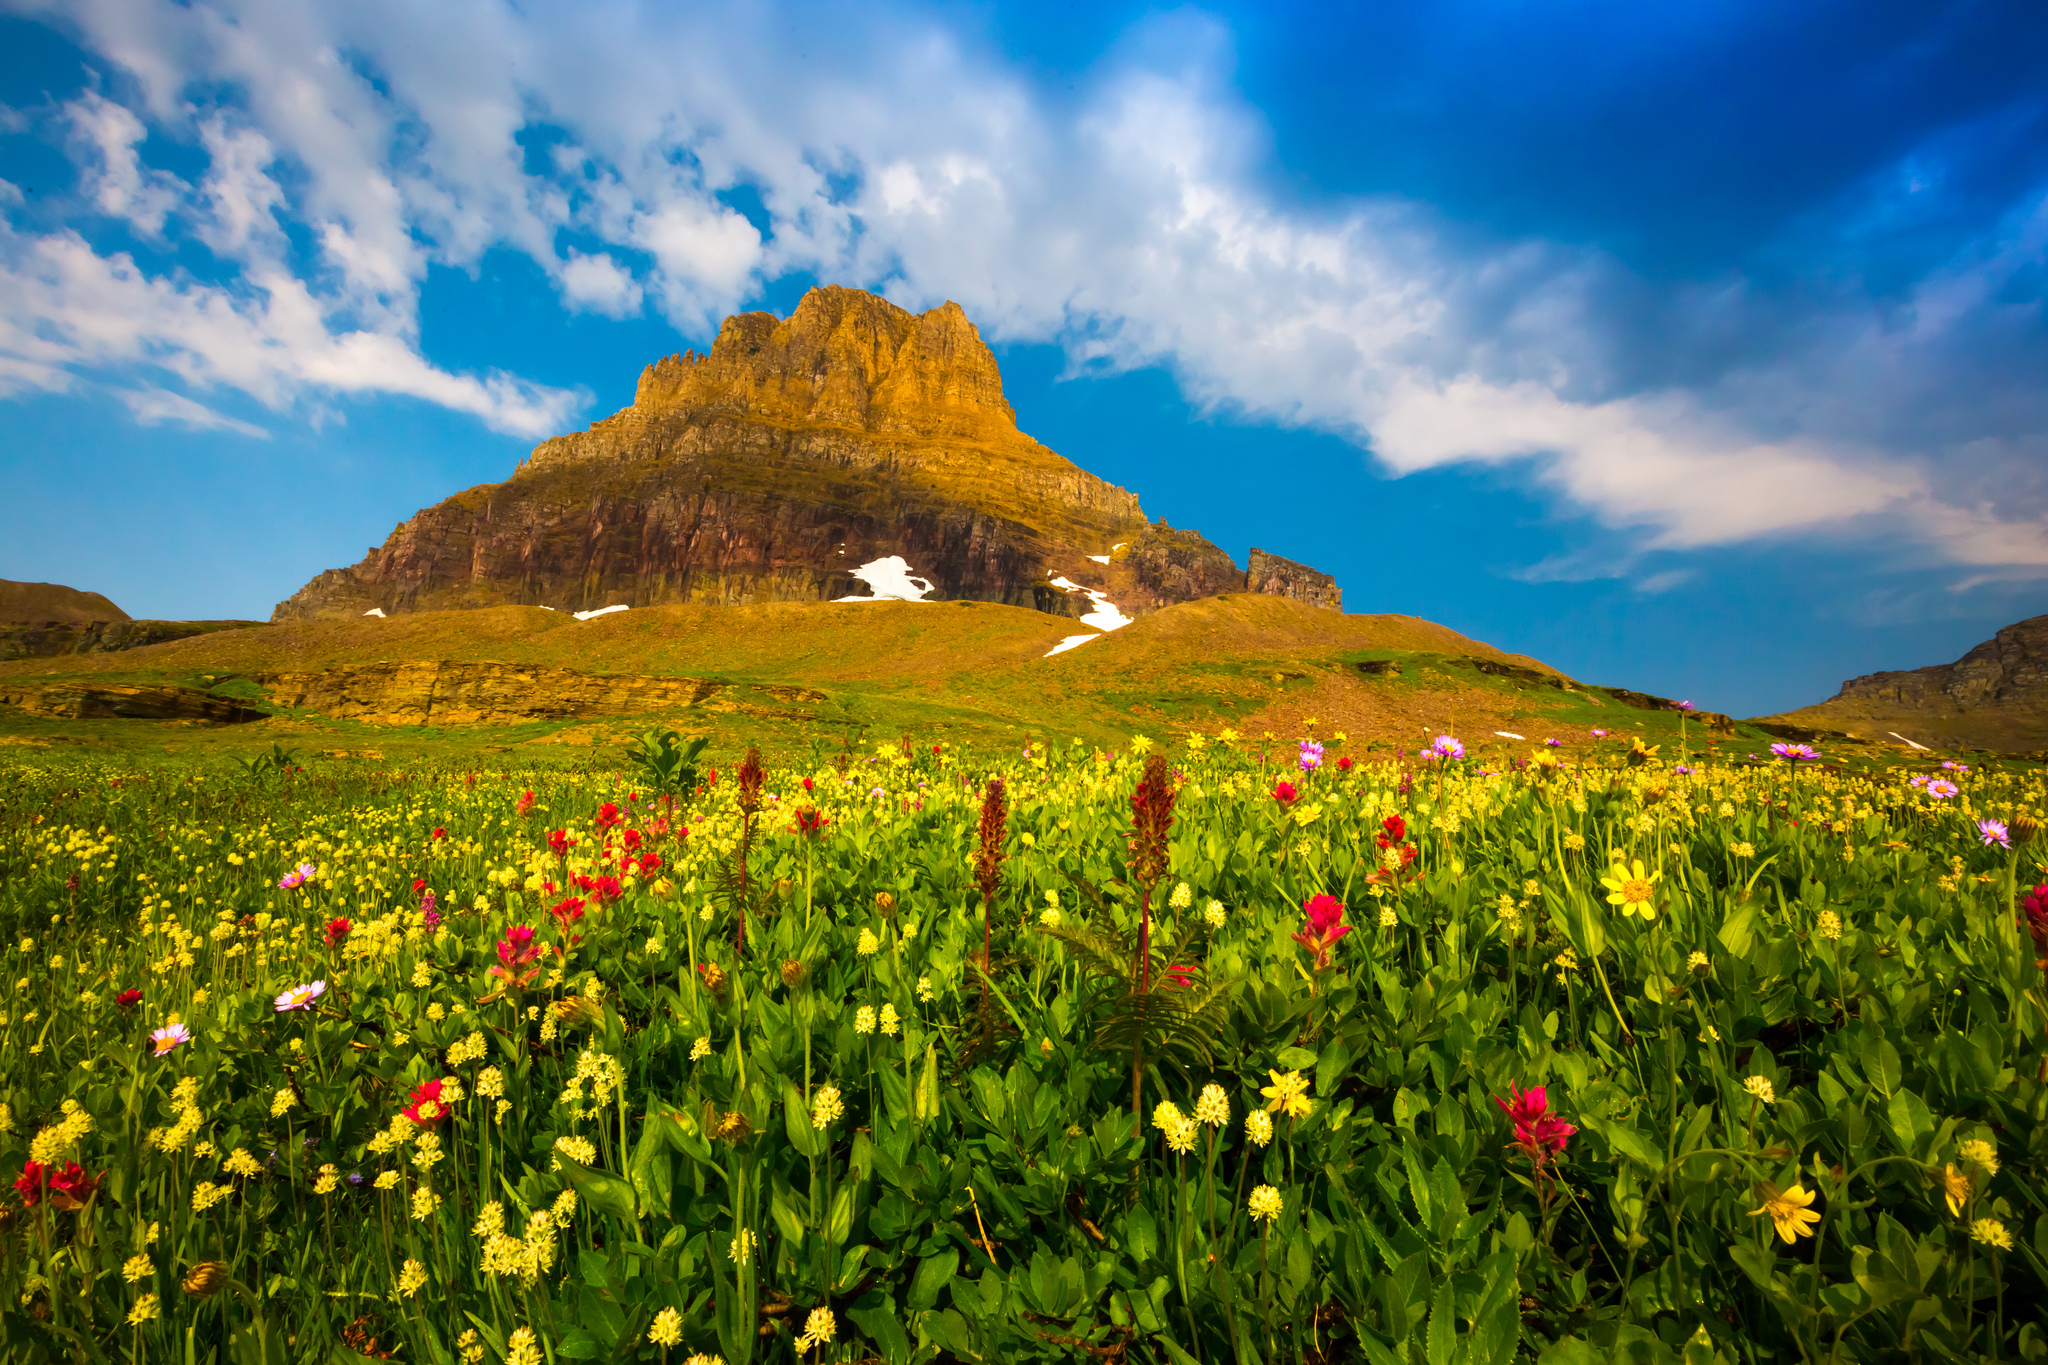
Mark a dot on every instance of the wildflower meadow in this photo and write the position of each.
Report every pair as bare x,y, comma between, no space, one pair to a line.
1197,1051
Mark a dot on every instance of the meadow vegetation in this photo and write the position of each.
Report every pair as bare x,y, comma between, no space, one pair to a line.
1266,1051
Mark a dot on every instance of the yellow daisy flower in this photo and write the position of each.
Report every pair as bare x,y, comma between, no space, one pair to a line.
1631,887
1788,1210
1289,1094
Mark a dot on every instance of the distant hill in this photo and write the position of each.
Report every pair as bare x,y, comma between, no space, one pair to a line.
850,450
53,604
1994,697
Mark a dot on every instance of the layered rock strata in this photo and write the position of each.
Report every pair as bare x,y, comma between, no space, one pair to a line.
770,468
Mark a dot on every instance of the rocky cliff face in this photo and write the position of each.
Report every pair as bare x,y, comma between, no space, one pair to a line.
794,452
1994,697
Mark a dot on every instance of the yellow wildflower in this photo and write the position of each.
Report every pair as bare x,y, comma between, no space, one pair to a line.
1788,1210
1631,887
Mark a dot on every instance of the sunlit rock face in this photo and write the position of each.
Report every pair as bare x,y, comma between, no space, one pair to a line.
779,465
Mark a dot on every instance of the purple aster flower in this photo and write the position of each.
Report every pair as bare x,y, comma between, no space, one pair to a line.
1994,832
1682,770
298,876
1599,734
1554,743
1795,753
1941,789
1681,706
1447,747
1311,756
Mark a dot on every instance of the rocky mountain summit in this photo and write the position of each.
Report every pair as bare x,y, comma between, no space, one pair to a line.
1994,697
787,464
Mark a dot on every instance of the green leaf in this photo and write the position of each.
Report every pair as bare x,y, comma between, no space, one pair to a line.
1909,1119
879,1322
934,1273
1441,1343
1296,1058
796,1120
601,1190
1141,1234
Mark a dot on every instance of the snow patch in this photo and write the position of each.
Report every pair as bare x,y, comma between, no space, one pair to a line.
1105,616
1100,559
1068,643
1903,740
601,611
374,611
891,581
1508,734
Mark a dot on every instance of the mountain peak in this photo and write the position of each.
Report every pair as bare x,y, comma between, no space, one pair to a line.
788,463
843,358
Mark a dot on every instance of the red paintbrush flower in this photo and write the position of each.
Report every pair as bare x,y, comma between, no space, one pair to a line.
128,999
337,932
427,1108
1323,927
1539,1133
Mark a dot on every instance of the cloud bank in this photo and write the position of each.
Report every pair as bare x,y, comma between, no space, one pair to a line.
678,161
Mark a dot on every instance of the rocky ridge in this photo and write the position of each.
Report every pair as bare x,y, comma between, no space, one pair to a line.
772,467
1994,697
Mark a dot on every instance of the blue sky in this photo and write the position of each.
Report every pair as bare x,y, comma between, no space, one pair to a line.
1694,347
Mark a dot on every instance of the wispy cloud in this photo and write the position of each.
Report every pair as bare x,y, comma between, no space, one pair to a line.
1129,222
153,407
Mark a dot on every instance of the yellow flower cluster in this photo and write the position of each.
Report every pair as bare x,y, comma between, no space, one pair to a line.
526,1258
61,1136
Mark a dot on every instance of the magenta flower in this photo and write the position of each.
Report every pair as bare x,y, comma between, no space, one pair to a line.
1681,706
1538,1132
1324,925
170,1036
300,997
1994,832
1941,789
298,876
1599,734
1447,747
1795,753
1311,756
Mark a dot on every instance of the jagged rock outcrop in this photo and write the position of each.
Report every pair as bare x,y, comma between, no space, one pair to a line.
1285,578
53,639
770,468
1994,697
53,604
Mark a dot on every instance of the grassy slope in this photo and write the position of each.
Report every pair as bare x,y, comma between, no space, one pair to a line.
971,671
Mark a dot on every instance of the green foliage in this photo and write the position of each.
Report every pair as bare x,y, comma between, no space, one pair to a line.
1834,1010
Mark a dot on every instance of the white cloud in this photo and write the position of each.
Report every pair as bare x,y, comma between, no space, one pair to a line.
155,406
1130,225
70,309
598,284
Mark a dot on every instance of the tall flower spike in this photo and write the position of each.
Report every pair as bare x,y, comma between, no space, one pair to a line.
988,857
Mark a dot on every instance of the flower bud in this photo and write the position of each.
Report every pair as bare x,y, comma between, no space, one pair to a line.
792,973
886,903
204,1280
